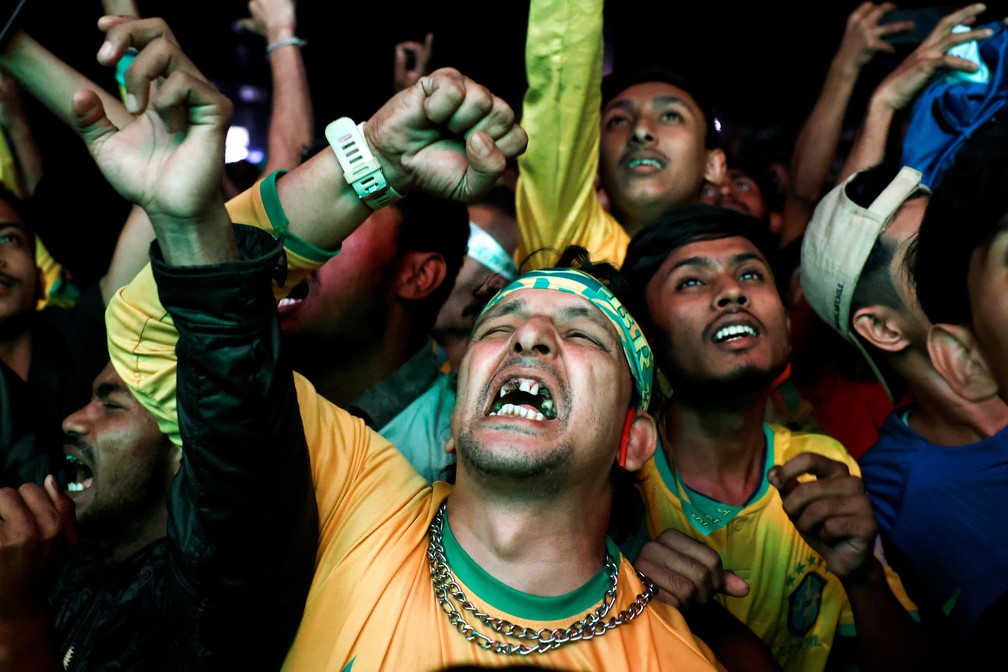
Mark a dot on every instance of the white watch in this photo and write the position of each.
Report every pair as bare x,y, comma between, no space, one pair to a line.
360,168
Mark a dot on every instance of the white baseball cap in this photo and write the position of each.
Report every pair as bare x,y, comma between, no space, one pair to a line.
836,245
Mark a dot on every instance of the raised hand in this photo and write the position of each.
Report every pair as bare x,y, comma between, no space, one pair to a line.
832,511
403,73
273,19
170,160
864,36
901,86
447,135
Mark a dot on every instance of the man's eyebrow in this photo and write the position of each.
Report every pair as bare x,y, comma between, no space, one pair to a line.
706,262
105,390
504,308
664,99
519,307
588,312
692,261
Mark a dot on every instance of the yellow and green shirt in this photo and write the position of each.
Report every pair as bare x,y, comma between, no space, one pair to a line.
556,201
371,605
795,604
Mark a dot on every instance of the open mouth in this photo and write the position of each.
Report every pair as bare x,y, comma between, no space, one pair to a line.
645,163
524,398
295,296
733,332
83,478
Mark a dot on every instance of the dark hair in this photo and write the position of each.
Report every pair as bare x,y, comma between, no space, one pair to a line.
433,224
963,213
499,196
651,246
679,76
875,286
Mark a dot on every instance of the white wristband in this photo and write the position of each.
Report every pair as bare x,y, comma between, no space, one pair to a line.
289,42
360,168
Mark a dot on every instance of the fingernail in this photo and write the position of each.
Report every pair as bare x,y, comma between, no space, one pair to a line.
105,51
131,103
52,483
482,144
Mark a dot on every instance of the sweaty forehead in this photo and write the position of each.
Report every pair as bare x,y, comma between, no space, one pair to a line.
559,305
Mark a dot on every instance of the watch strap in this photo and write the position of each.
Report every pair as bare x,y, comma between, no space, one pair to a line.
360,168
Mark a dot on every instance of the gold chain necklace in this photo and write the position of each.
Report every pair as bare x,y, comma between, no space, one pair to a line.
592,625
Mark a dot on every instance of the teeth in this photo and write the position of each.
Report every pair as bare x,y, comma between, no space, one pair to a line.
732,331
286,301
519,411
75,487
645,162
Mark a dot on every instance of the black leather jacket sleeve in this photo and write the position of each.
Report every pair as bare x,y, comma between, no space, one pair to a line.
243,524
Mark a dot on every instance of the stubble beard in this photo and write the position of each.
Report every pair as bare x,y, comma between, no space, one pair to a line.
743,382
541,473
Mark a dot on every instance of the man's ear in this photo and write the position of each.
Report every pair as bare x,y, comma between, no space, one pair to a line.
954,354
420,273
717,166
776,222
878,326
642,442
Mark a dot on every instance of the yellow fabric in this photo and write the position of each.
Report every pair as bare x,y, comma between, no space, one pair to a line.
9,175
761,545
371,605
52,275
555,194
139,360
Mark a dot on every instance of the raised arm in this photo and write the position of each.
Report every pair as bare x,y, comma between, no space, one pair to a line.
899,88
818,138
53,82
242,520
292,117
23,148
557,203
410,62
446,135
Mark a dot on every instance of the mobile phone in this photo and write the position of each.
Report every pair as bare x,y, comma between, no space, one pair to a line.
924,19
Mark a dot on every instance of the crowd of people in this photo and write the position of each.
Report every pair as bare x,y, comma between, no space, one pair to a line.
459,386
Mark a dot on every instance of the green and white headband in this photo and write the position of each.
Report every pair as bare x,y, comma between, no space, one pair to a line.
635,345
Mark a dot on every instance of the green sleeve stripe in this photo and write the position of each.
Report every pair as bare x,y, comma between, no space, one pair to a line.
278,220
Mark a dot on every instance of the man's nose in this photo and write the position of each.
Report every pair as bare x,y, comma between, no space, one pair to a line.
536,335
